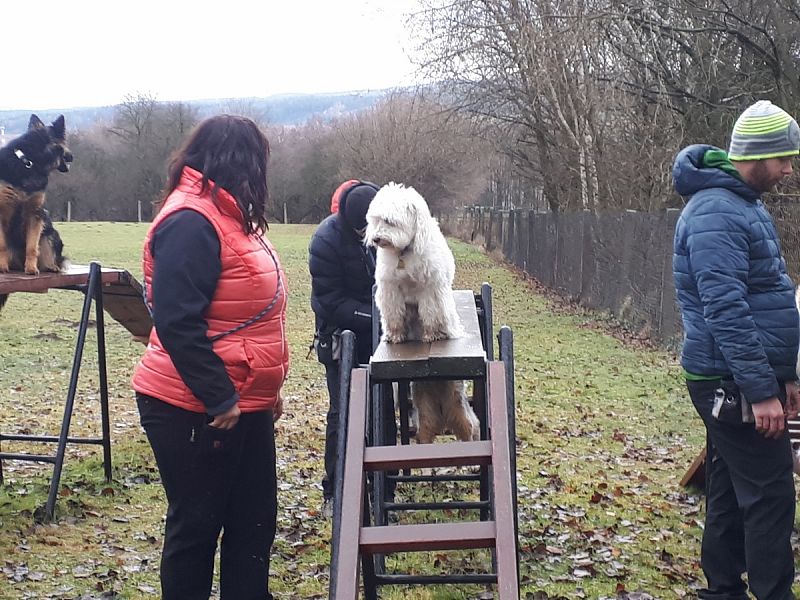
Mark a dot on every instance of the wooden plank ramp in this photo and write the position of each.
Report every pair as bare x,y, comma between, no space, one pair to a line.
122,293
459,358
358,541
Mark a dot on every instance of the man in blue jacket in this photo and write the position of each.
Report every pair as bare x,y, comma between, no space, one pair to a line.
342,275
740,350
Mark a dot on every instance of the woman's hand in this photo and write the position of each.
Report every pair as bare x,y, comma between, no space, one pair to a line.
277,410
228,419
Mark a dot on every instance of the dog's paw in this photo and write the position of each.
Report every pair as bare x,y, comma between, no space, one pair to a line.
433,336
396,337
32,269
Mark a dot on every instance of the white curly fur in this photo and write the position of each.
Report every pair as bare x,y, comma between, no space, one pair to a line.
414,276
414,270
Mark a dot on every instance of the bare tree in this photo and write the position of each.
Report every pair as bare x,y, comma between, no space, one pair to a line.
592,98
410,139
246,107
122,165
304,170
528,72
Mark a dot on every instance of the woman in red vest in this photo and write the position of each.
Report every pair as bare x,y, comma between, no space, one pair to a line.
208,387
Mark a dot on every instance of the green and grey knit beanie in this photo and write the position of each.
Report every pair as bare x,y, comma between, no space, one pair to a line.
764,131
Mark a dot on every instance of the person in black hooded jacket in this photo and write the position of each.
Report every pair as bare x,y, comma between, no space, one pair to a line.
342,275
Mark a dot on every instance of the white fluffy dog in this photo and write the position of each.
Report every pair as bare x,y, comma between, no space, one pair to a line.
414,270
414,276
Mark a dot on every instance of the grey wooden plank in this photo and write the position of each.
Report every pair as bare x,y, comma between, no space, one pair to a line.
457,358
502,481
130,312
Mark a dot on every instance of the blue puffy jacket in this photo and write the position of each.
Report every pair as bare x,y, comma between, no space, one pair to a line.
736,299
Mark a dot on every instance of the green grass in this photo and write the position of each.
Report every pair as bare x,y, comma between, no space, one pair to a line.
605,432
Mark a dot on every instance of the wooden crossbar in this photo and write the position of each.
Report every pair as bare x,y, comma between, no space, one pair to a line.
434,536
417,456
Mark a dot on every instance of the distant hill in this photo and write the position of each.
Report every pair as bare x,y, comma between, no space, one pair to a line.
284,109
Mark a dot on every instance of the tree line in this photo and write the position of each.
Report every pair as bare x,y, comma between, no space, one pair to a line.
556,105
591,99
120,165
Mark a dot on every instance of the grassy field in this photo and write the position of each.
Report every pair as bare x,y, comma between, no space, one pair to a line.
604,435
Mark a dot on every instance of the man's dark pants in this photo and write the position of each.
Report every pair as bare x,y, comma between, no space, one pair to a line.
215,481
750,507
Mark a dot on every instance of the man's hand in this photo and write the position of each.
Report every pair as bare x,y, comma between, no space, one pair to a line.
228,419
770,419
792,408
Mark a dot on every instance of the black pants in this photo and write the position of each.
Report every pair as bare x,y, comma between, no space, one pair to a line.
215,481
750,508
332,374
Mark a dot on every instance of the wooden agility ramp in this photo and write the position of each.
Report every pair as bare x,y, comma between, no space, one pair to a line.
122,293
113,290
362,533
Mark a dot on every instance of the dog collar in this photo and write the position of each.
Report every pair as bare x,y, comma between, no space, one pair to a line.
25,160
401,263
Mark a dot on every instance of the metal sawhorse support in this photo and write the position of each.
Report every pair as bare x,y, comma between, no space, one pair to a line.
90,282
366,398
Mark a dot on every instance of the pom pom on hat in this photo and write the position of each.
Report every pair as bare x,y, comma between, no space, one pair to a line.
764,131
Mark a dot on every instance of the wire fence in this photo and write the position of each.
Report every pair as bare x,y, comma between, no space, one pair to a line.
620,262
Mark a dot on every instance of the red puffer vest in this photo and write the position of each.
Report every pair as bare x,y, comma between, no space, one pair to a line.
257,356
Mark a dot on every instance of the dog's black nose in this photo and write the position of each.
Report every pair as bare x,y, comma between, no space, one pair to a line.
68,156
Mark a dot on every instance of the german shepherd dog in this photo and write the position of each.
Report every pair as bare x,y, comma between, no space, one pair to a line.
28,240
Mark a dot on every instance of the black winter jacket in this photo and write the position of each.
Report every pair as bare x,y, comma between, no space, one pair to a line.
342,275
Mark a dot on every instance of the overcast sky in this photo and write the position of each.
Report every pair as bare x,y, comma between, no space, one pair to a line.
95,52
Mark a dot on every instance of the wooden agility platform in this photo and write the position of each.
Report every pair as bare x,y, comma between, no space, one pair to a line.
111,290
122,293
362,534
463,357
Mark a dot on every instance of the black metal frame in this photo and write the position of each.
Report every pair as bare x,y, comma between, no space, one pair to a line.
382,412
93,291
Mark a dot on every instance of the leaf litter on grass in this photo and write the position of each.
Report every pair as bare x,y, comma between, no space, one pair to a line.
604,433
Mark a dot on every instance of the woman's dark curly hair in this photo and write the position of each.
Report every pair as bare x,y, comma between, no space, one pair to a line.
232,153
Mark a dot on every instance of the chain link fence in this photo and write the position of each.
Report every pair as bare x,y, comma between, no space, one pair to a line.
620,262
